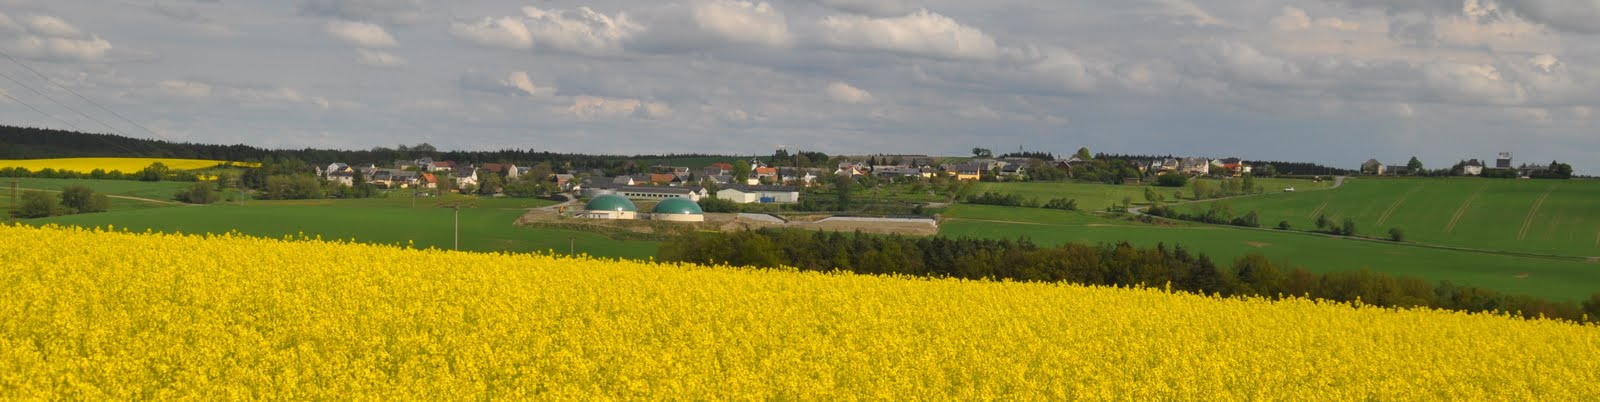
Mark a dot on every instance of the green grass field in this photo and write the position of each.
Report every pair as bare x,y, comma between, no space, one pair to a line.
1528,216
486,226
1564,279
482,229
1096,197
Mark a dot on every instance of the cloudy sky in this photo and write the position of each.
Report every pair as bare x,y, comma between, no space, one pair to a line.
1333,81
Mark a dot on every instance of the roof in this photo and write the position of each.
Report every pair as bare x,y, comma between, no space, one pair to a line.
494,167
680,206
1474,162
428,177
610,202
766,170
662,178
722,165
751,189
444,164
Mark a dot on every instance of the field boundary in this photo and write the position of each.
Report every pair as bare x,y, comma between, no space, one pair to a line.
125,197
1451,227
1397,203
1527,222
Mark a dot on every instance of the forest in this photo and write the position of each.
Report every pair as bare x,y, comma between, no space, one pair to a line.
1117,264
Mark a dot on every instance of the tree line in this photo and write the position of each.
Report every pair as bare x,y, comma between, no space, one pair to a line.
1119,264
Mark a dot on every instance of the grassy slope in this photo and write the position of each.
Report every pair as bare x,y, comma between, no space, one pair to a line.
482,229
1566,223
1558,279
486,227
1098,196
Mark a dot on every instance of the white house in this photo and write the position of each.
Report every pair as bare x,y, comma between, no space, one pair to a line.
1195,166
1472,168
465,177
761,194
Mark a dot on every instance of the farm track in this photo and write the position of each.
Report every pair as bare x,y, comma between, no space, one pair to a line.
125,197
1319,209
1396,205
1528,221
1451,227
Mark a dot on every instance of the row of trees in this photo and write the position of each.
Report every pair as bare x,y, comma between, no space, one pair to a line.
1109,264
1217,214
155,172
71,200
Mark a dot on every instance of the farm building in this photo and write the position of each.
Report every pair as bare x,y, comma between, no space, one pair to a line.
645,192
761,194
610,206
677,210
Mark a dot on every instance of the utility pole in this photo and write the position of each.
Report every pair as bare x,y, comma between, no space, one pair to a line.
572,246
457,220
14,183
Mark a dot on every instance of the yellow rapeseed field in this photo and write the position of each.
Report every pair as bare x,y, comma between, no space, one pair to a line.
91,315
126,165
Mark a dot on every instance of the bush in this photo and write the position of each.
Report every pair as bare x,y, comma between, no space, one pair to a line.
39,204
1397,235
199,193
1171,179
717,205
81,199
1283,225
1063,204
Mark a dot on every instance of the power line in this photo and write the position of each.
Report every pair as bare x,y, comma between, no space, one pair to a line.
58,118
85,99
75,110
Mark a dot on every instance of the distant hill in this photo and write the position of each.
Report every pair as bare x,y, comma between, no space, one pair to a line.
37,143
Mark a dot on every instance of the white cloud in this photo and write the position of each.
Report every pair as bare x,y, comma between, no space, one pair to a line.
583,30
580,31
517,83
842,92
743,22
183,88
363,34
1294,19
61,49
875,8
503,32
51,38
8,24
378,58
386,11
922,33
52,27
589,107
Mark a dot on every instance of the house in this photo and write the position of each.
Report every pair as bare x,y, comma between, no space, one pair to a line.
496,168
442,166
1013,170
515,171
969,170
564,181
715,170
1472,168
403,178
1168,165
681,172
896,171
850,169
1372,167
763,173
429,181
1236,165
464,177
346,177
1195,166
792,174
662,179
1504,161
645,192
761,194
334,167
404,164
